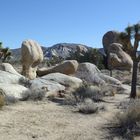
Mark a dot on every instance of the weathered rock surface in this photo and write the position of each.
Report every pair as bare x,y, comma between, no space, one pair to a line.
118,59
9,68
13,91
49,85
67,67
68,81
91,74
124,89
9,78
56,82
31,56
109,38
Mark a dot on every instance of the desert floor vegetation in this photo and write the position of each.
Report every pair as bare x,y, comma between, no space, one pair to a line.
88,99
55,120
126,123
89,112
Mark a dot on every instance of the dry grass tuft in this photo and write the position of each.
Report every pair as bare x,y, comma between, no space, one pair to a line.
35,95
127,122
85,99
88,91
87,107
108,90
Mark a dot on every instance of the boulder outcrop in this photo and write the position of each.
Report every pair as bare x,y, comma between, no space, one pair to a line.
31,56
109,38
67,67
13,91
91,74
10,78
118,59
9,68
55,82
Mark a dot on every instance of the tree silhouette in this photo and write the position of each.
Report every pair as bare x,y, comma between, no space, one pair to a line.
4,52
131,38
92,55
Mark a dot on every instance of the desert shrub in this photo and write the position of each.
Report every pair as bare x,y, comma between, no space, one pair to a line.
10,100
87,91
53,61
24,81
108,90
87,107
35,95
84,92
85,99
127,122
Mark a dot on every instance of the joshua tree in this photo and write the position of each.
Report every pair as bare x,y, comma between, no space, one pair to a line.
132,32
6,56
4,52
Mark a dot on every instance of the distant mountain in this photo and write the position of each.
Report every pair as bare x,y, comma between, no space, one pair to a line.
16,54
62,50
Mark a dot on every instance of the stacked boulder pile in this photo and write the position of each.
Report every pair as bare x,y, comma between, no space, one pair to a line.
117,58
62,77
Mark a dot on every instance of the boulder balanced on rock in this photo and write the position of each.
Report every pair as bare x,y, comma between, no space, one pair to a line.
113,47
31,56
118,59
67,67
109,38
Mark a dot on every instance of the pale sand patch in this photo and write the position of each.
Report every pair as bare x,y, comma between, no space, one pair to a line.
46,120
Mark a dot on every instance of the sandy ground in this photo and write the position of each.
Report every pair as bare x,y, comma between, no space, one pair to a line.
47,120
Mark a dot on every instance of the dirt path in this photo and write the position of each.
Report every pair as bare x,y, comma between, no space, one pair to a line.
47,120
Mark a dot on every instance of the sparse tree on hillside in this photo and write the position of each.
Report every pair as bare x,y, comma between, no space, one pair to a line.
92,56
6,56
132,33
4,53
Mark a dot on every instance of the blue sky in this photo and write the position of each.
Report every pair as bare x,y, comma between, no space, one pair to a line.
64,21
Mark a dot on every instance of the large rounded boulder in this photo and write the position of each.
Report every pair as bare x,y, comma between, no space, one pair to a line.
109,38
8,68
55,84
12,83
92,75
14,91
118,59
31,56
67,67
10,78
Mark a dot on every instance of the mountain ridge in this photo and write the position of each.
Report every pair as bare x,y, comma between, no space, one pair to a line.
62,50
